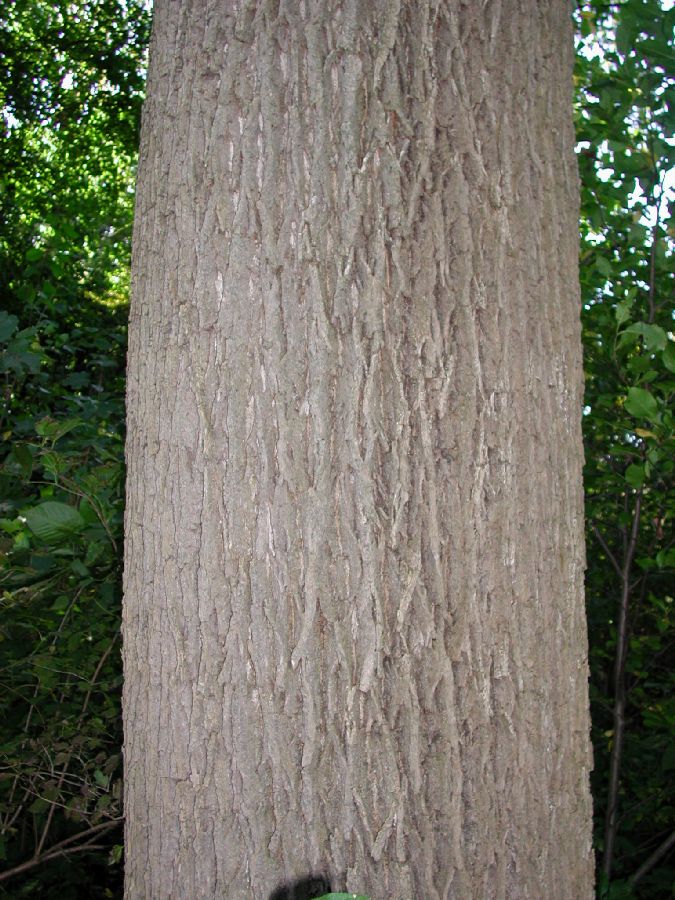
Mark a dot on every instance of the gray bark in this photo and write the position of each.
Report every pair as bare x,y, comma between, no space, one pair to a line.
353,626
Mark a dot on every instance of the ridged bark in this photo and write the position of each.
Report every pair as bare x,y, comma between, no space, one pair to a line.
354,631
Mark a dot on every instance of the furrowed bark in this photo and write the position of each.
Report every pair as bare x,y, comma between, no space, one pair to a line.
354,630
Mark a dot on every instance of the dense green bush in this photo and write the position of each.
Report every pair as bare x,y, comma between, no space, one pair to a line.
625,123
70,91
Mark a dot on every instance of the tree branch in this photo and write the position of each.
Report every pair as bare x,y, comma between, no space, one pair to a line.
610,556
612,818
651,861
92,683
62,848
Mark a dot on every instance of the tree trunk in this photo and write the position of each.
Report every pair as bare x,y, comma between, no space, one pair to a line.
354,631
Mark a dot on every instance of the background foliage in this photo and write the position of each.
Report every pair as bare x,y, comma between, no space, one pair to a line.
71,82
625,117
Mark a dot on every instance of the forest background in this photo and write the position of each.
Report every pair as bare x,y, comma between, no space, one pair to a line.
71,89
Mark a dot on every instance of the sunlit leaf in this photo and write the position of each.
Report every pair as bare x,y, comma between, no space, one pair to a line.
641,403
655,337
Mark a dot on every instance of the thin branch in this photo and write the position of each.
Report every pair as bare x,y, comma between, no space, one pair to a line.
94,829
652,860
11,819
608,552
619,714
62,848
59,784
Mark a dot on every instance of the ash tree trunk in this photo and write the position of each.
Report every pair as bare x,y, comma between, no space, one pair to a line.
353,626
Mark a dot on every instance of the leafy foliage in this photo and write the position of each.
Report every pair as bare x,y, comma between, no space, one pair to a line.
71,79
625,74
71,82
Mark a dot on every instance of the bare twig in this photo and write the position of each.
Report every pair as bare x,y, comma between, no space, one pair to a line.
13,815
59,784
652,860
610,556
62,848
612,818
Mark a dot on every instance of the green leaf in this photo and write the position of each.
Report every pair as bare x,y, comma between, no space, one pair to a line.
24,457
53,521
116,854
641,404
79,568
94,552
77,380
635,476
42,562
11,526
54,429
53,462
603,266
624,38
654,336
622,311
669,356
8,325
15,359
61,603
665,558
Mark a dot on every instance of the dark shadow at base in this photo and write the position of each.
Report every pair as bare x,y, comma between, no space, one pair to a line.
305,889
